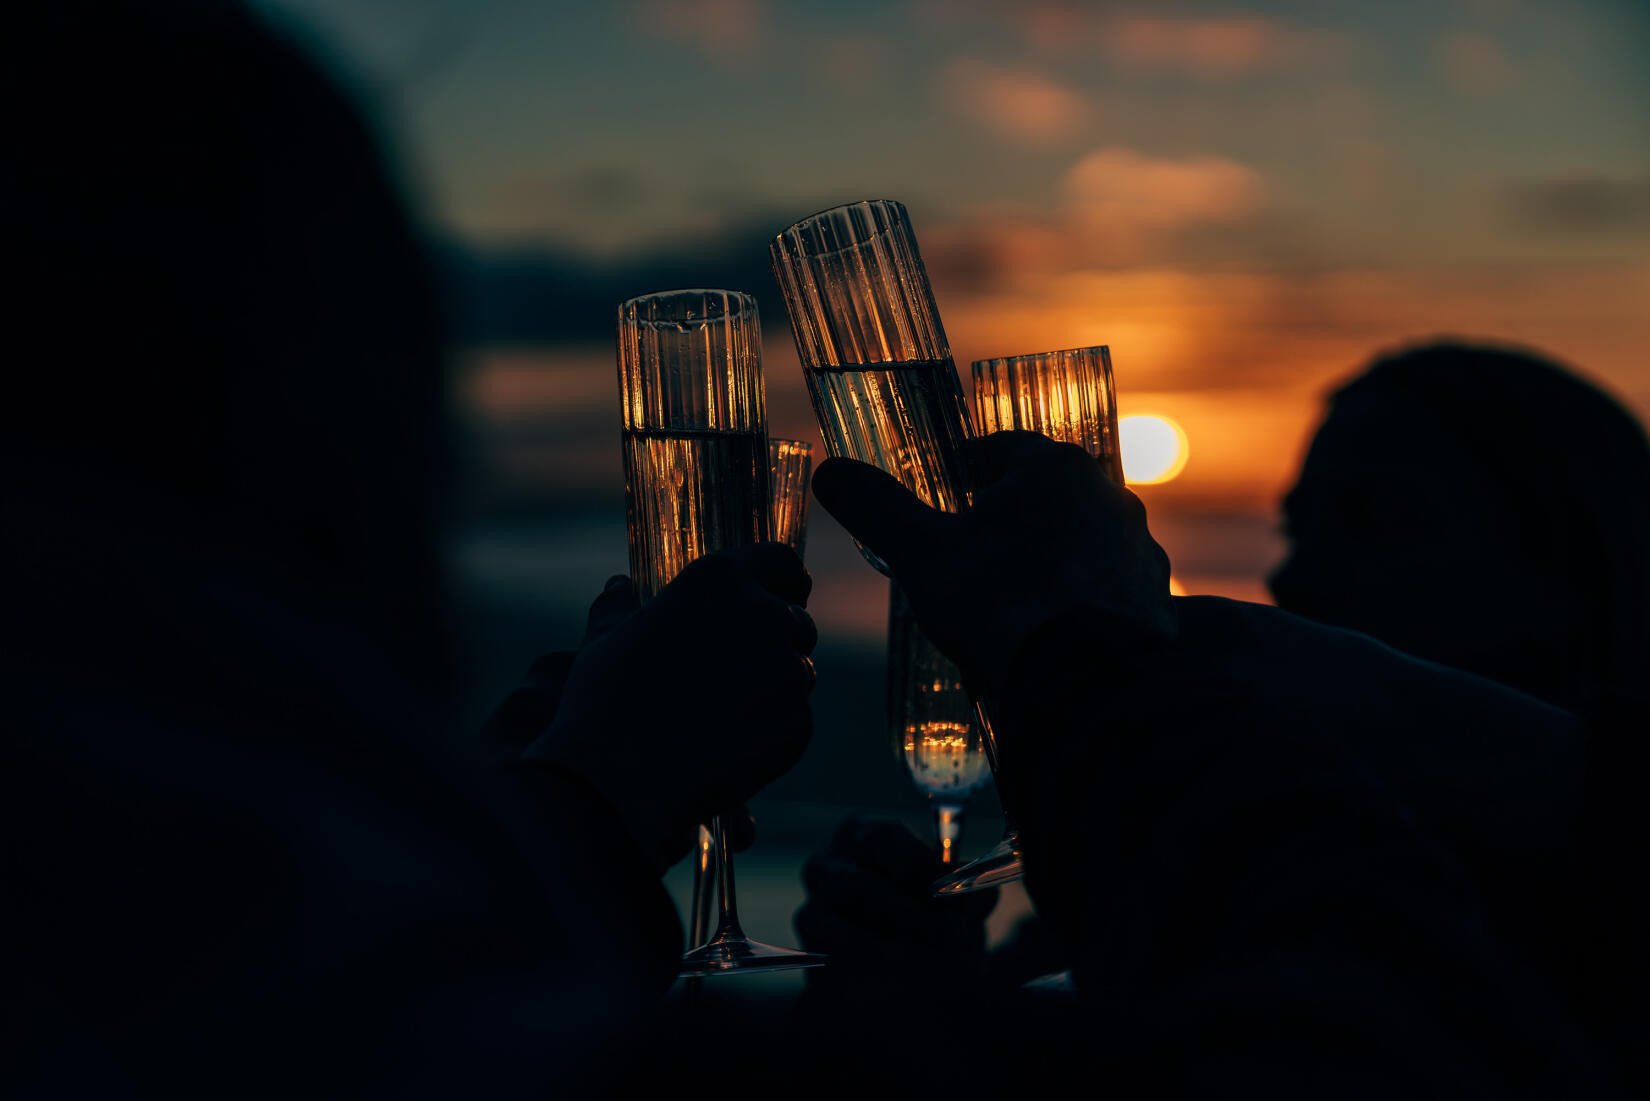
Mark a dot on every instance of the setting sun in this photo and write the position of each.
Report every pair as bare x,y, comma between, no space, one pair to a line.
1154,449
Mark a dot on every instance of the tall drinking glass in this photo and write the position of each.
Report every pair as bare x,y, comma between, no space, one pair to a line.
697,480
932,725
883,386
873,351
1066,395
790,462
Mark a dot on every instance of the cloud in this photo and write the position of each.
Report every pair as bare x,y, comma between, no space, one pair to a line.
1473,63
1203,47
1057,26
594,190
1581,202
1219,48
1365,171
533,295
609,211
1230,328
1122,186
1116,207
1022,106
720,29
934,17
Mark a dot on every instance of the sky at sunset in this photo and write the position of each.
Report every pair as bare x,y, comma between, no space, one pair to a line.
1244,201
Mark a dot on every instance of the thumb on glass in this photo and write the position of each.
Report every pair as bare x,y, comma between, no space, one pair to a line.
890,520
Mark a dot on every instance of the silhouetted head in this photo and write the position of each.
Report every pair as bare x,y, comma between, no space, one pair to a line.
231,346
1483,508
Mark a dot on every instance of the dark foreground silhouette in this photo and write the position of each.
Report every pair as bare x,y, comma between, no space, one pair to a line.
247,854
1485,508
1187,754
249,858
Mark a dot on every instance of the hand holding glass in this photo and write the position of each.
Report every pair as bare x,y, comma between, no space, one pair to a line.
883,385
697,480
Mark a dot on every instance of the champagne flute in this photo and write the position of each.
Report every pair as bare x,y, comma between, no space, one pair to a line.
932,725
1065,395
697,480
885,390
873,352
789,464
1068,396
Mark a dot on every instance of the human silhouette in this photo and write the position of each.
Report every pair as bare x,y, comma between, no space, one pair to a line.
1485,508
1224,824
248,854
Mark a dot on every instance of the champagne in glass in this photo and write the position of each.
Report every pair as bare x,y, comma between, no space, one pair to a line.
932,724
873,351
690,493
790,462
905,418
1066,395
697,480
879,371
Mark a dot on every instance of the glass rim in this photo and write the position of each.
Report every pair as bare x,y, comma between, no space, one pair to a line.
801,223
746,302
794,445
1026,357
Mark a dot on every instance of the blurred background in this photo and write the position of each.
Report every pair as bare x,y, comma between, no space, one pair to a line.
1244,200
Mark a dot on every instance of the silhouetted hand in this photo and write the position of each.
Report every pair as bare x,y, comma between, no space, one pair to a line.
1048,533
528,712
869,908
688,706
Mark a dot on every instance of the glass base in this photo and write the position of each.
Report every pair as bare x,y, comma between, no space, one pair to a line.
739,955
1000,865
1055,980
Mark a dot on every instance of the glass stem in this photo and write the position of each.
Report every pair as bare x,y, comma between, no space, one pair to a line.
704,878
728,925
948,824
988,739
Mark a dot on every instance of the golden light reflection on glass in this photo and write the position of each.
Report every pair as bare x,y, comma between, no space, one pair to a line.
945,758
1065,395
1154,449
